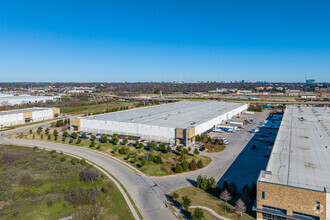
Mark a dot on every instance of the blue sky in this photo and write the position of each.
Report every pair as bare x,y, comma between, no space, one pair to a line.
172,40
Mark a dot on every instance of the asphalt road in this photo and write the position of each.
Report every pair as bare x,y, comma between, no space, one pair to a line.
149,193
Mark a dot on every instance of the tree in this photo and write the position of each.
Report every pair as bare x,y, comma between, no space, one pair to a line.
136,143
199,181
198,214
125,141
92,144
114,140
240,207
168,149
162,146
152,145
198,137
47,131
232,188
186,202
30,131
193,165
104,139
205,183
65,134
178,168
211,182
200,164
184,151
49,137
74,135
55,133
89,175
158,159
93,137
196,151
175,195
39,130
225,196
78,141
140,145
185,165
178,149
225,185
83,135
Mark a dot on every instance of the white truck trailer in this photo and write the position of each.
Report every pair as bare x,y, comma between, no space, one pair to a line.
237,123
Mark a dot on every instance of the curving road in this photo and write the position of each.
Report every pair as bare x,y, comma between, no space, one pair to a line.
149,193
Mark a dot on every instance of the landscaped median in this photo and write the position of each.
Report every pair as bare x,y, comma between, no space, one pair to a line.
154,160
40,184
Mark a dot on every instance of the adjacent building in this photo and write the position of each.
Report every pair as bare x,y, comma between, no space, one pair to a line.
177,123
28,115
296,182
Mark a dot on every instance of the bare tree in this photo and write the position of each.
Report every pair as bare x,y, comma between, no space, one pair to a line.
225,195
240,207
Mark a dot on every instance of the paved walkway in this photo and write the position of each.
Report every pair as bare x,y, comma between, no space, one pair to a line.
211,211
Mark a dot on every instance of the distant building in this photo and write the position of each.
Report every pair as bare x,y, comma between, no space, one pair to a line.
10,100
24,116
309,81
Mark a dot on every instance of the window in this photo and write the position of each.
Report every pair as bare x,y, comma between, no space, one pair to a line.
318,205
304,215
263,195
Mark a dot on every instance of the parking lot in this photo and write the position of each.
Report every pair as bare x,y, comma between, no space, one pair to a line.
254,157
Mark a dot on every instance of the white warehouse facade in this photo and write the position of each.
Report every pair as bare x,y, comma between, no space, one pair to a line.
176,123
10,100
24,116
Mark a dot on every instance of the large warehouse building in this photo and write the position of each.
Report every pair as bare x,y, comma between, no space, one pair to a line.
296,182
10,100
174,123
23,116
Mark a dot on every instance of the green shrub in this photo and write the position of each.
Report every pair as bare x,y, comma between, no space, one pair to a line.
178,168
185,165
70,141
78,141
158,160
83,162
200,164
74,161
122,150
63,159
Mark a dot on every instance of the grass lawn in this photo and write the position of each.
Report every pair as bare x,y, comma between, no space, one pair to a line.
214,148
35,184
86,109
202,198
151,168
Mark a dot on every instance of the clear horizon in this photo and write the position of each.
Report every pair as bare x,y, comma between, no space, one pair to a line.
190,41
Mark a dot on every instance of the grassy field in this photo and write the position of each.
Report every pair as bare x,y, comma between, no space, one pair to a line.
87,109
38,184
202,198
133,155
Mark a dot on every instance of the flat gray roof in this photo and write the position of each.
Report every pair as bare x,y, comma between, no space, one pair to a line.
16,111
301,153
177,115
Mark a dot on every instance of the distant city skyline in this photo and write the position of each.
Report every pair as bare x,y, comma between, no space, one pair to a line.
141,41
